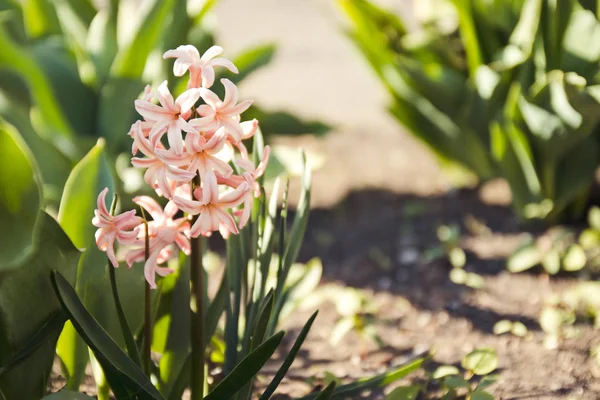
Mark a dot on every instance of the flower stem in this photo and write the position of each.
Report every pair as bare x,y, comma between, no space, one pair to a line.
147,305
197,318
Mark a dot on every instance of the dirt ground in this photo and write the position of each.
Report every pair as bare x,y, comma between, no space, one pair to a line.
378,200
380,196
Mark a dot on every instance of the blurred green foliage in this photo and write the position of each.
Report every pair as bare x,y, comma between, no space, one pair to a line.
69,73
503,88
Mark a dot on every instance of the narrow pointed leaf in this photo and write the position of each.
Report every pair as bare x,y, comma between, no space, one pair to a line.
246,369
119,369
289,359
328,392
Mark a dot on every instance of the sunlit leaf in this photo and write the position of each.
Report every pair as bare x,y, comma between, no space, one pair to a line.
481,361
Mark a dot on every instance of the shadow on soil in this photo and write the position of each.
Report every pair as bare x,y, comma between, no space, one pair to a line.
375,240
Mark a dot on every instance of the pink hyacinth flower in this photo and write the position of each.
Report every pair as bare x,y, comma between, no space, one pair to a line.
161,176
203,155
121,228
163,232
216,113
250,176
170,117
201,68
212,207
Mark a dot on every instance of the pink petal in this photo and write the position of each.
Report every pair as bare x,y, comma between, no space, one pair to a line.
165,98
210,98
150,205
208,76
175,138
231,94
187,100
234,197
227,220
189,206
212,52
223,62
236,110
210,188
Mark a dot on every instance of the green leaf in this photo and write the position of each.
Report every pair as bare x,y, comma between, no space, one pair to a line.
20,61
22,317
246,369
444,371
481,361
404,393
122,373
352,389
49,330
456,382
20,199
40,18
251,60
480,395
327,393
284,123
67,395
594,217
574,259
131,57
89,177
468,32
524,258
173,320
486,381
289,359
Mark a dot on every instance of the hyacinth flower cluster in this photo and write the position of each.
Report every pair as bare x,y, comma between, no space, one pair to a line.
187,146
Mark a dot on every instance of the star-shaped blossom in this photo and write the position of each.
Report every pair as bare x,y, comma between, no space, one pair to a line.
159,175
216,113
201,69
163,233
121,228
170,117
212,207
249,177
202,154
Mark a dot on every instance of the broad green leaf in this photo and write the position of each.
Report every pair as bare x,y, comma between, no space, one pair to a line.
23,316
469,35
594,217
574,259
67,395
501,327
352,389
20,199
247,368
481,361
54,166
40,18
480,395
551,261
89,177
131,58
404,393
486,381
284,123
122,373
445,370
48,331
327,393
289,359
18,60
456,382
174,321
116,111
252,60
77,100
524,258
582,56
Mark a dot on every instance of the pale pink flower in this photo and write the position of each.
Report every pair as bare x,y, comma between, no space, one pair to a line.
121,228
216,113
212,207
250,176
170,117
201,68
159,175
202,154
163,233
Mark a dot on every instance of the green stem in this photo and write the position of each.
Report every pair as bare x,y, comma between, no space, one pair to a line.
147,305
197,322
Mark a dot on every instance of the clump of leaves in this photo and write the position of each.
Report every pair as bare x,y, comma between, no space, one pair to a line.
515,328
450,249
470,383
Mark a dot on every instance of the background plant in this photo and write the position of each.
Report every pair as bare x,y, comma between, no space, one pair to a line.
503,89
